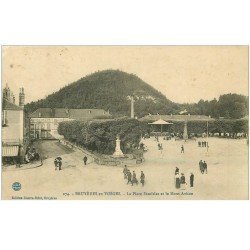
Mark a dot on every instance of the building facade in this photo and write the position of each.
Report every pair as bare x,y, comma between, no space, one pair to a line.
44,122
14,141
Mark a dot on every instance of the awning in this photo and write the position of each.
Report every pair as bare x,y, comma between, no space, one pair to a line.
161,122
8,151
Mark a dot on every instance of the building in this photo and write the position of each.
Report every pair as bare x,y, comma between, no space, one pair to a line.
44,121
14,141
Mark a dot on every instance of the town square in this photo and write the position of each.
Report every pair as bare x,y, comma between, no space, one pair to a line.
110,135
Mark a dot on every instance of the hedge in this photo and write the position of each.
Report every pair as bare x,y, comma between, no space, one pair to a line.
100,136
217,126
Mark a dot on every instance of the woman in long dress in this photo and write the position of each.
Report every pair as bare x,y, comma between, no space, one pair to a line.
177,181
183,181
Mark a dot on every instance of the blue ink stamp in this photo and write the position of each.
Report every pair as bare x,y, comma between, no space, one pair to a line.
16,186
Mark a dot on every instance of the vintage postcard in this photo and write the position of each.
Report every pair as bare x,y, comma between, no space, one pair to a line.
125,122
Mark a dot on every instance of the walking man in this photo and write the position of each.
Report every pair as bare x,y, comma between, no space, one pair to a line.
201,166
85,159
182,149
142,178
125,171
205,167
134,179
129,177
191,180
60,164
55,163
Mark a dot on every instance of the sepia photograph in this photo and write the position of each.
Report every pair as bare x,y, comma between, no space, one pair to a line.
125,123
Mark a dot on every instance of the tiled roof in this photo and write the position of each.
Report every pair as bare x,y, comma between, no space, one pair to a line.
60,113
42,113
79,114
10,106
83,114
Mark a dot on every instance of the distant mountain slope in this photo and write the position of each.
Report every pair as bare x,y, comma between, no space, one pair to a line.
109,90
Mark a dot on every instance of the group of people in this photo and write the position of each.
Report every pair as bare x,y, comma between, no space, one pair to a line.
203,166
160,147
203,144
131,177
58,163
157,138
31,155
180,181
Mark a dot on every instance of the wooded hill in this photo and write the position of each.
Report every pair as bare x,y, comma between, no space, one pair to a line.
111,90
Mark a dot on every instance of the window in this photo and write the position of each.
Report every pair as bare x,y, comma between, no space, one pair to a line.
89,111
4,118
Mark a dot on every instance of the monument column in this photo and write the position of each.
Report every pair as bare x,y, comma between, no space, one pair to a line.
132,108
118,152
185,132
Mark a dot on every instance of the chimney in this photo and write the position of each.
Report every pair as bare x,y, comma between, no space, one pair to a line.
132,108
21,98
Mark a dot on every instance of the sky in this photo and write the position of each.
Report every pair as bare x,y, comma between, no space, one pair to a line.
185,74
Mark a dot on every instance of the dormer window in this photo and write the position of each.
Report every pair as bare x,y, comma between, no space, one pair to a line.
39,114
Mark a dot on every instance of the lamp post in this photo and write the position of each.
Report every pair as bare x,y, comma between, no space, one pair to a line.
207,135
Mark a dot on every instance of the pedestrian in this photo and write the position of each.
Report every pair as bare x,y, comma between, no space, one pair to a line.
125,171
182,149
176,170
85,159
201,166
191,180
205,167
177,181
134,179
55,163
129,177
60,164
142,178
183,181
